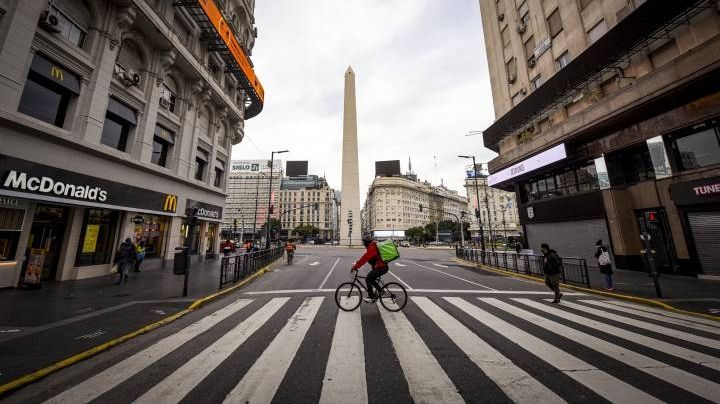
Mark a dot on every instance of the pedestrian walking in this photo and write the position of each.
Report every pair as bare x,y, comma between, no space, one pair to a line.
125,258
518,247
139,255
552,266
227,247
602,253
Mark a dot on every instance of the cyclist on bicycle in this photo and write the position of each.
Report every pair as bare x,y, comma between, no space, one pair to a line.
379,267
289,250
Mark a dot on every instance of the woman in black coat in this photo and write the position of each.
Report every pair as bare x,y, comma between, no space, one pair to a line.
602,253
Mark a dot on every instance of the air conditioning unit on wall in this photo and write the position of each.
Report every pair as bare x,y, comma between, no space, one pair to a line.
532,62
129,78
512,78
521,28
49,22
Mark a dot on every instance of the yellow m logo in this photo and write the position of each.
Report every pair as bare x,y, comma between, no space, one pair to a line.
170,203
57,73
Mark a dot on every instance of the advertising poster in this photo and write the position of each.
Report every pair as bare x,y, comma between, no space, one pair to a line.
33,271
91,237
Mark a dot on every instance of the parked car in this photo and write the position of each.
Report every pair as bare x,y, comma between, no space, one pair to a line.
404,244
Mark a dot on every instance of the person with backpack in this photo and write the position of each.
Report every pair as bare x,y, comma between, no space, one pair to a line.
552,267
125,258
140,255
379,267
602,253
290,251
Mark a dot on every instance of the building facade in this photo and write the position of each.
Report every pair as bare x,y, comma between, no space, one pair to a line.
497,210
307,200
116,121
607,126
393,203
248,190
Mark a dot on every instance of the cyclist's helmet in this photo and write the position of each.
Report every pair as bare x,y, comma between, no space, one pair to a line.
367,239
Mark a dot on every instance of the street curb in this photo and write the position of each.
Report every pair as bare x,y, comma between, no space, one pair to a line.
39,374
630,298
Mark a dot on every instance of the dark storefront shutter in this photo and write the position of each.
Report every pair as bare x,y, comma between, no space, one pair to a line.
706,233
570,239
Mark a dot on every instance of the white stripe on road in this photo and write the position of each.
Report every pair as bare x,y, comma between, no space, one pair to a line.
518,385
441,266
454,276
328,274
465,291
264,377
314,263
427,381
176,386
408,287
99,384
714,323
709,342
666,319
399,264
604,384
652,343
680,378
345,380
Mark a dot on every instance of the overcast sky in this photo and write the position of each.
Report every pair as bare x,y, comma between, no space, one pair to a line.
422,84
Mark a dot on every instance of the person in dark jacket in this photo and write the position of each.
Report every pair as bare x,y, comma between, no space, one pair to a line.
379,267
602,253
552,266
125,258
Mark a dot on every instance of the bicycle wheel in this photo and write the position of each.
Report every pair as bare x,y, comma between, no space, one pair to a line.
393,296
348,296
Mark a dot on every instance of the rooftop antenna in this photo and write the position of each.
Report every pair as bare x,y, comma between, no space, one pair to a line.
435,160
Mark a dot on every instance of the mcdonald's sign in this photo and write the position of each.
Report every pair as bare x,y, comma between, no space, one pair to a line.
57,73
170,203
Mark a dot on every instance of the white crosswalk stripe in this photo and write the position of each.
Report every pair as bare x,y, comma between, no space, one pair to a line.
515,382
652,316
427,381
662,371
177,385
262,380
604,384
709,342
347,372
113,376
656,344
665,313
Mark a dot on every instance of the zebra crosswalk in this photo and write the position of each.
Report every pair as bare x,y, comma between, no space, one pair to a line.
449,349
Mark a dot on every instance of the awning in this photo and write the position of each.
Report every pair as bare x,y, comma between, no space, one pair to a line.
202,155
165,134
121,110
55,73
620,41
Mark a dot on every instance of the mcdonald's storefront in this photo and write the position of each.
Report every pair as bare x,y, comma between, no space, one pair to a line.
62,225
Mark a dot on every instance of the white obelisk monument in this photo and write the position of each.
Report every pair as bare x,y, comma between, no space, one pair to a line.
350,200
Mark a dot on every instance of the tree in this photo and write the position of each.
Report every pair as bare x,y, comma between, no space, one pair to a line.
416,234
274,228
306,230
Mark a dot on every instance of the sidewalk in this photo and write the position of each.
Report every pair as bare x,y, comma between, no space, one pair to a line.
66,318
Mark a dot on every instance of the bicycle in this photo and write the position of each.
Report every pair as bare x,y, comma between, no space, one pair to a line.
349,295
290,257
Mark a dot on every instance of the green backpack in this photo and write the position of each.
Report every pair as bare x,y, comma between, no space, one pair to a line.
388,250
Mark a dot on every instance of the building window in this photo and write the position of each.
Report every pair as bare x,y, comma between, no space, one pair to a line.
201,161
49,88
555,23
167,98
69,29
524,13
698,149
511,67
505,35
630,165
597,31
162,143
97,238
563,60
530,48
151,233
219,173
119,121
516,98
11,221
536,82
585,3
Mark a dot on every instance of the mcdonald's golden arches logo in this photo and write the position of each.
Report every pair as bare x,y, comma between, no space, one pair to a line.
170,203
57,73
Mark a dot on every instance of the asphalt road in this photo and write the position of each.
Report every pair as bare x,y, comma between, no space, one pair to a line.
464,336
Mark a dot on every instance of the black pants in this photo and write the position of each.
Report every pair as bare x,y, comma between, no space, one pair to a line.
371,279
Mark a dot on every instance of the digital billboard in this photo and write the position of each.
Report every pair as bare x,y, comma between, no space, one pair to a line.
387,168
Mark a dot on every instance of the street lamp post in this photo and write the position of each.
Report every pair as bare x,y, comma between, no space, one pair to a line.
477,198
267,227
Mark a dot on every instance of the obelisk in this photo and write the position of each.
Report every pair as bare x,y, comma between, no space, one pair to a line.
350,199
